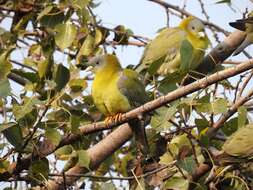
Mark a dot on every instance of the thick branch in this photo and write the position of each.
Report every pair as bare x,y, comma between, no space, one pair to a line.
97,153
221,52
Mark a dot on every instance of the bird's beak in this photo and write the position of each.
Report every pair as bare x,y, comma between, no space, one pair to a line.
243,45
89,68
202,34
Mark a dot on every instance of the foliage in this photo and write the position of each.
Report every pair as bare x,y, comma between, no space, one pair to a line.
54,103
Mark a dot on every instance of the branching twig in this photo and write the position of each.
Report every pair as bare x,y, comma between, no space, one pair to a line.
184,12
246,81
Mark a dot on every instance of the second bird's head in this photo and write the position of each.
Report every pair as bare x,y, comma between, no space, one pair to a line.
103,62
194,27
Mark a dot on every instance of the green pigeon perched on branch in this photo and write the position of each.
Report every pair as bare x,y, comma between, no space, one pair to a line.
162,55
115,91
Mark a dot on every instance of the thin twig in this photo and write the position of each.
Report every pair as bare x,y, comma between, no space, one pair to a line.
22,65
119,178
184,12
246,81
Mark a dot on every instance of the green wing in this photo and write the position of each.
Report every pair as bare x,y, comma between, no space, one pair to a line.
132,88
165,47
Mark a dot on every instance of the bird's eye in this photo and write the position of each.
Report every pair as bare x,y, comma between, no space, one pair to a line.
193,27
97,63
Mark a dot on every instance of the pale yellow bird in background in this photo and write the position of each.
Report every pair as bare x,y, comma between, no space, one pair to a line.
162,55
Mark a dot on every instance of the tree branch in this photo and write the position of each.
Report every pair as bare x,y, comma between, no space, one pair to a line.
184,12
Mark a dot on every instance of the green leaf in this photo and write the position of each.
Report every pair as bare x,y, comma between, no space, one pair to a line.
45,12
62,77
75,123
83,158
20,111
5,65
80,4
64,153
6,126
167,86
43,67
77,85
14,135
230,126
155,65
53,135
87,48
242,116
179,142
65,35
186,52
177,182
201,124
203,138
52,18
216,107
160,119
188,164
4,165
39,170
219,106
59,115
203,107
5,88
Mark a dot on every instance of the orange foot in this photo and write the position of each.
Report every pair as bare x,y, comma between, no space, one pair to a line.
115,119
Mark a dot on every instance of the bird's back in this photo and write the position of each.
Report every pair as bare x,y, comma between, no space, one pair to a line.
168,40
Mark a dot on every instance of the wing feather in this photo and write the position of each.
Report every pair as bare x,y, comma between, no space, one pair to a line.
132,88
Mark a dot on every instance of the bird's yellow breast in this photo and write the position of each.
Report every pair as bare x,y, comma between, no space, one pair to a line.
106,95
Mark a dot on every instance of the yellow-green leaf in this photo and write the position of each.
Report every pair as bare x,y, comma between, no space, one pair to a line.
65,35
5,89
53,135
83,158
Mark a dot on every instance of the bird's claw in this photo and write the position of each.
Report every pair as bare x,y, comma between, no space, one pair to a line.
113,119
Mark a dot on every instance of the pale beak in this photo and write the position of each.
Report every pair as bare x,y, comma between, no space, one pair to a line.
202,34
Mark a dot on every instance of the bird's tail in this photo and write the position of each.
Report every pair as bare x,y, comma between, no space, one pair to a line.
138,127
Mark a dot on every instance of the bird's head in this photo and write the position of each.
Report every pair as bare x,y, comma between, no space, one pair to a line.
246,25
194,26
103,62
241,24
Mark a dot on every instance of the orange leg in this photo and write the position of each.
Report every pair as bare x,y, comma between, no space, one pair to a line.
108,120
114,118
